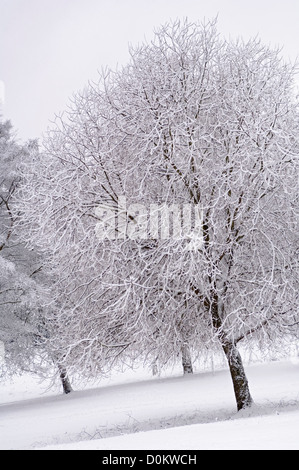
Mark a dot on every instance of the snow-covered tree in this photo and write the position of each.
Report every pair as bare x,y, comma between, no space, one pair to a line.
216,125
19,267
194,132
24,330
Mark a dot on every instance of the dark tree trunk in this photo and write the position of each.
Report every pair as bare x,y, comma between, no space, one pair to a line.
237,372
186,359
66,385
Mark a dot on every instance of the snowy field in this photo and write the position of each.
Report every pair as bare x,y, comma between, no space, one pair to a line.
136,411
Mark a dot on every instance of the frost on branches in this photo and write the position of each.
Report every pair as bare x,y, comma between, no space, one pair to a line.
19,267
191,122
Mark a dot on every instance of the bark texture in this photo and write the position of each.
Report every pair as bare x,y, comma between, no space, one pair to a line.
66,385
237,372
186,359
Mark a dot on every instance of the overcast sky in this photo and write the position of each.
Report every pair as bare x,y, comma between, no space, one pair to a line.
51,48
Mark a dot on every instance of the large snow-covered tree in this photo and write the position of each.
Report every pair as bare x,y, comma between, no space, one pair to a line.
192,123
221,121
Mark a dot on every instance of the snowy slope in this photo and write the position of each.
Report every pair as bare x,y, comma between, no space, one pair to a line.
196,412
276,432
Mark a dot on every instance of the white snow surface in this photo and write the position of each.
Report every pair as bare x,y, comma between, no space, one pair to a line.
135,411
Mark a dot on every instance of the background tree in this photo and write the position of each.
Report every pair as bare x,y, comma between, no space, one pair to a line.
19,292
24,330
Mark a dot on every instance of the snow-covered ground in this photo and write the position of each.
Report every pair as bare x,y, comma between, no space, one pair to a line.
137,411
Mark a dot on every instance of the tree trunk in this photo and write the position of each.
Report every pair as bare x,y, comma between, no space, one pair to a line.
186,359
155,370
66,385
237,372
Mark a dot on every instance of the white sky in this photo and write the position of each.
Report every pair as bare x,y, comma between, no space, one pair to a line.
51,48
